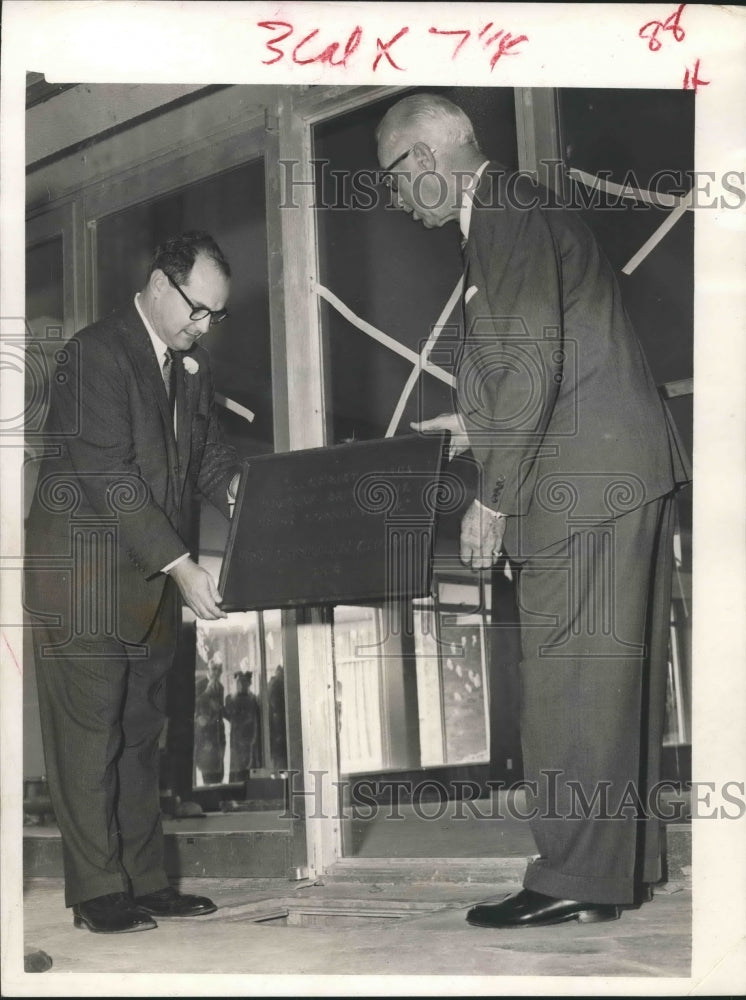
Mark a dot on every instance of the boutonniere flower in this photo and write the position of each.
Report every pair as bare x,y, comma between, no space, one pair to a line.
191,365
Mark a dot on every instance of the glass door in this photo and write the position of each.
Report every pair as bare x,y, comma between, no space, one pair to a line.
413,707
50,322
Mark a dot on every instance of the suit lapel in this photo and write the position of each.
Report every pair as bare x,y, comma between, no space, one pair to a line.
475,286
187,387
472,272
145,362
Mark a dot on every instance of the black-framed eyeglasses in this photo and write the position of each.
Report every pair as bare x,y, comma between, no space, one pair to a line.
389,179
200,312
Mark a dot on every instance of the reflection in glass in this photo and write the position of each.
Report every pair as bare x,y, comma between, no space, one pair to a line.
463,676
358,688
239,699
227,690
429,688
276,722
412,700
44,292
396,275
209,725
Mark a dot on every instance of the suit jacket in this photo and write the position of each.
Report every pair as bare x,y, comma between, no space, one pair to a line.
122,473
561,408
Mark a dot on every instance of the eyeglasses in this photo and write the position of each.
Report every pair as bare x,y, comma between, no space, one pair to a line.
387,178
200,312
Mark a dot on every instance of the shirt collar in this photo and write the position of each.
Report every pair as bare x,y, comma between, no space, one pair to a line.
158,346
467,202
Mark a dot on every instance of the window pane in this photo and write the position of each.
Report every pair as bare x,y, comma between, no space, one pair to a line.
464,684
44,292
643,139
228,694
45,310
231,207
389,270
358,688
278,751
410,700
429,689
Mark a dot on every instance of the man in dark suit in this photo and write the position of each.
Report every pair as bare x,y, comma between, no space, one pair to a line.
132,441
578,467
243,712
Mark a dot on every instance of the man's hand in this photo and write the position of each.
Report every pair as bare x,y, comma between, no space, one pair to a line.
482,532
198,589
446,422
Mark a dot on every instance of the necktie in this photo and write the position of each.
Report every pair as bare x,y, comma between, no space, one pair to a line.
169,376
462,248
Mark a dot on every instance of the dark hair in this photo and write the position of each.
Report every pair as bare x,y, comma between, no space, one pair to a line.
176,256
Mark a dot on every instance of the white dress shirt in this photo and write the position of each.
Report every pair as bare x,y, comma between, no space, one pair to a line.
158,345
467,202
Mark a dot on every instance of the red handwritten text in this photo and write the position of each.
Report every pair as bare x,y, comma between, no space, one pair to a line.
326,55
653,28
13,655
304,47
383,49
505,40
692,80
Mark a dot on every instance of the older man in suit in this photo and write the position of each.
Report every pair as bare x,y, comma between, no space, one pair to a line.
132,441
578,467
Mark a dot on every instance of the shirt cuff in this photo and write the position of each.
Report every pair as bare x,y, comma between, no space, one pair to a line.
167,569
495,513
232,492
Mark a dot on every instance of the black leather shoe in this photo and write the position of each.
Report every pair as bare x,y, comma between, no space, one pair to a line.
533,909
114,913
170,903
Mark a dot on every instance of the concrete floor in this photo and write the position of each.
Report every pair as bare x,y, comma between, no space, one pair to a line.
403,927
386,912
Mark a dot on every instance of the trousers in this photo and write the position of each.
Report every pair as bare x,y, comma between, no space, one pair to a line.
595,612
102,709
